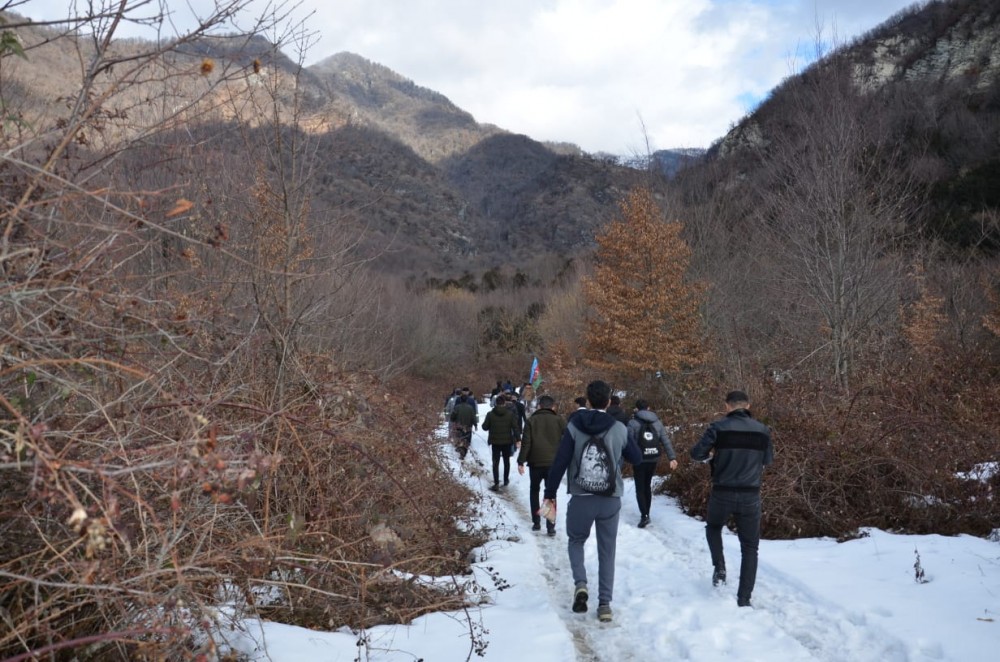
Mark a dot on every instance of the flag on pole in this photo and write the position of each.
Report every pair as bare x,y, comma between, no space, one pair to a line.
535,378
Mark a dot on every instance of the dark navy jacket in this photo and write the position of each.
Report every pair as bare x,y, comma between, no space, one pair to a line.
585,423
742,448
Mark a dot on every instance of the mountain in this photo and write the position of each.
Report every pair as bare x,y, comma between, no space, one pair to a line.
926,81
518,199
672,161
375,96
431,191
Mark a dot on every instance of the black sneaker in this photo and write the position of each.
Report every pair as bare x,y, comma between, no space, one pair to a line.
536,526
580,599
644,521
719,577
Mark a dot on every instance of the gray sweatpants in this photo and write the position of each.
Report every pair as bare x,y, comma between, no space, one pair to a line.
582,513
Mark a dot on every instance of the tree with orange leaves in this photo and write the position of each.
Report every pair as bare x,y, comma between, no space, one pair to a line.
645,316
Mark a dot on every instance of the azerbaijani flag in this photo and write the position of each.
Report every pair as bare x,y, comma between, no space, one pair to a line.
536,377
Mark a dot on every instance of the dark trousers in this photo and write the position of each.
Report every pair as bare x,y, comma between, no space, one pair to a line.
501,450
463,439
537,475
744,507
643,473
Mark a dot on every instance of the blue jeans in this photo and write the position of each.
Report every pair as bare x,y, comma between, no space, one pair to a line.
600,512
744,507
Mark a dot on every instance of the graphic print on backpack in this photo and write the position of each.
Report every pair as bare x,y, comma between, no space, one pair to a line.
647,441
596,472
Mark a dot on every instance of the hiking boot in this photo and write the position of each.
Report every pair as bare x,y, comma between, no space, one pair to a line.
495,487
580,599
644,521
741,602
604,613
719,576
536,526
550,529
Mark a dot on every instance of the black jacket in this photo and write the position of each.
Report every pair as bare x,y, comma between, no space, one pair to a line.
618,413
742,447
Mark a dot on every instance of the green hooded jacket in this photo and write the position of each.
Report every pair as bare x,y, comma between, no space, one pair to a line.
502,426
541,438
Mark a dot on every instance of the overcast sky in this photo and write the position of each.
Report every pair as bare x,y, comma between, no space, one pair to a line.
590,72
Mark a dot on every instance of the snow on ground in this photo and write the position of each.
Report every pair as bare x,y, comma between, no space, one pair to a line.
815,599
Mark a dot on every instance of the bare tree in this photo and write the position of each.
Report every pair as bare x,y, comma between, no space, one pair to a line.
834,204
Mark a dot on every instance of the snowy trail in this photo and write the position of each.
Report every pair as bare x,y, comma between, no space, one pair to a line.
665,606
815,599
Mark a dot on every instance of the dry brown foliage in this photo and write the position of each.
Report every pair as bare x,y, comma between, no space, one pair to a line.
175,431
894,455
646,314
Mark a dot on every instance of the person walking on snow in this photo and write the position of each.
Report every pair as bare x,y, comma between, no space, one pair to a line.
576,458
649,434
737,448
541,438
465,419
501,423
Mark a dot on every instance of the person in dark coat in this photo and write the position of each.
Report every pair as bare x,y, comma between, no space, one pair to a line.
538,448
616,411
501,423
581,405
737,448
643,421
465,419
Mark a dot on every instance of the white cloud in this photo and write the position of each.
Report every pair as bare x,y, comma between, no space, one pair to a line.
584,71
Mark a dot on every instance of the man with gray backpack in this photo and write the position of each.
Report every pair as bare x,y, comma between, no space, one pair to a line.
649,434
590,454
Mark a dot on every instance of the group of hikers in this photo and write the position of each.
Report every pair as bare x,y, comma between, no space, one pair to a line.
589,447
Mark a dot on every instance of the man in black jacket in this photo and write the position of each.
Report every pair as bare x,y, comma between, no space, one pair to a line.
615,410
737,447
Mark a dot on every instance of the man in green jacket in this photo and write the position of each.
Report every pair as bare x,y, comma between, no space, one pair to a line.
501,423
541,438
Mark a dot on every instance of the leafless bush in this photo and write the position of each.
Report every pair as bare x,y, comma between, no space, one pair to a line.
163,450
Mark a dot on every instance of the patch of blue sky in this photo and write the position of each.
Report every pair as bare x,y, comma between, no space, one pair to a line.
750,100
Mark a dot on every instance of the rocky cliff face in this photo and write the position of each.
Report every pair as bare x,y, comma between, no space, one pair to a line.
940,45
956,42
